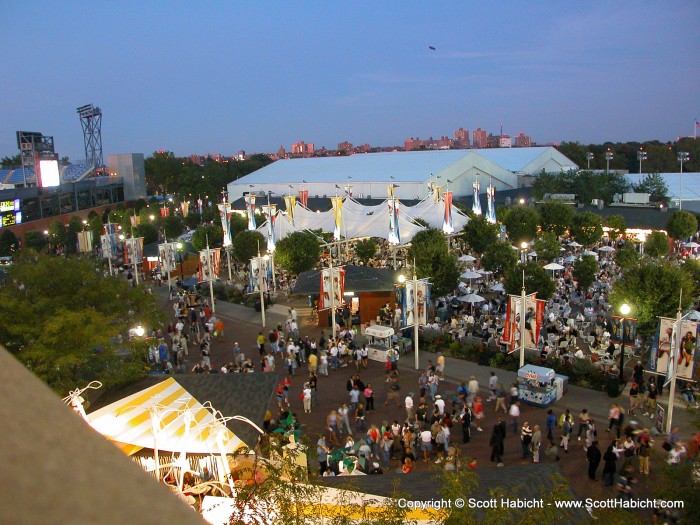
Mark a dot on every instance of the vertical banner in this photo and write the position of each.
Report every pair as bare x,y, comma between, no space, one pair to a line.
394,233
437,193
205,266
133,250
250,210
135,220
664,347
476,206
164,212
85,241
447,226
108,243
254,275
185,208
630,330
270,212
337,275
304,198
225,216
111,228
215,254
410,303
534,316
270,273
337,203
167,257
290,203
199,205
400,300
422,298
686,362
491,204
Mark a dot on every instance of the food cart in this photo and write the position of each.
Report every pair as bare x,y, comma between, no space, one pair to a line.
379,341
539,386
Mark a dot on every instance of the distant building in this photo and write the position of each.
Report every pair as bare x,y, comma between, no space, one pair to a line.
522,141
240,155
345,147
131,168
504,141
216,157
196,159
301,148
281,153
479,138
462,138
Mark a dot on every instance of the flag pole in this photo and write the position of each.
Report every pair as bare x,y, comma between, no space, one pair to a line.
673,365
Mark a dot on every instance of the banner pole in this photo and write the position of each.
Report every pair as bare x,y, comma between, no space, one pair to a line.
523,310
672,364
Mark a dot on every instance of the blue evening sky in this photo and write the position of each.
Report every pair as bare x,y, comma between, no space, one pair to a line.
198,77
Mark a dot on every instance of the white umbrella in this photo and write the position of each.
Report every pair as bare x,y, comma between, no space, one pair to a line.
471,275
589,252
606,249
467,258
574,244
483,272
553,266
471,298
532,254
569,259
498,287
692,315
692,245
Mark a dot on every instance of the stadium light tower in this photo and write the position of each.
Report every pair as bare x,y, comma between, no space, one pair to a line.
641,155
91,122
608,158
682,157
589,158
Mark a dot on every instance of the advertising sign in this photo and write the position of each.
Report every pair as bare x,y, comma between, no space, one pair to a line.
534,315
332,282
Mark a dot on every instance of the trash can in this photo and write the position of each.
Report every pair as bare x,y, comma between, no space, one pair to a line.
612,386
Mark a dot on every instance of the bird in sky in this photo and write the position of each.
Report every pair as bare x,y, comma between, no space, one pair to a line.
431,48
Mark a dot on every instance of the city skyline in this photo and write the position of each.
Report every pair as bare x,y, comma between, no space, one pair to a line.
247,77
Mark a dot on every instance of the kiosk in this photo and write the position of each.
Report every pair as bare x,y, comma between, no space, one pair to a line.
539,386
379,341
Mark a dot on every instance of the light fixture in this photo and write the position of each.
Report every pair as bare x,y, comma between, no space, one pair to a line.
179,246
402,278
625,309
523,245
139,331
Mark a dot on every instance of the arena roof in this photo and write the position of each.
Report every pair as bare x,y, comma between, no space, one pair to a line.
410,166
691,184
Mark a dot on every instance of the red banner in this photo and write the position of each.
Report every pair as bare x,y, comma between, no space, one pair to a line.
336,288
304,198
164,212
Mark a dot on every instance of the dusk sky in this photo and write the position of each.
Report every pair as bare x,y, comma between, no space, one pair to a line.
196,77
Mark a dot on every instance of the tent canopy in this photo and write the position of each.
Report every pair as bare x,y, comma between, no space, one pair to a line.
180,422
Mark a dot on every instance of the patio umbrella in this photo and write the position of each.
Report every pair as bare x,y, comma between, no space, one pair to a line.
498,287
532,254
471,275
692,315
483,272
553,266
692,245
471,298
606,249
467,258
574,244
589,252
569,259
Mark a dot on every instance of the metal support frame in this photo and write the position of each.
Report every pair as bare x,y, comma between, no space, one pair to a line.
91,122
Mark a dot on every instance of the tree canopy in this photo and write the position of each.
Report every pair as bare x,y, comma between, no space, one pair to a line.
247,245
616,225
365,249
521,223
71,319
655,185
585,271
536,281
296,253
479,234
547,246
429,249
656,244
681,225
213,232
500,258
586,228
556,217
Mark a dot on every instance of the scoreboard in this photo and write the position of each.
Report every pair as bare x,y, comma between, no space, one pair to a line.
10,213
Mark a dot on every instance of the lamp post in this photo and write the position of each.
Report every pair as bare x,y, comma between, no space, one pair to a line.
523,252
641,155
625,309
589,158
179,253
608,157
414,284
682,157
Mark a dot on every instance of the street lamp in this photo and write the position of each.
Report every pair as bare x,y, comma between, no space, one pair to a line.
641,155
608,157
589,158
523,252
179,251
625,309
139,331
682,157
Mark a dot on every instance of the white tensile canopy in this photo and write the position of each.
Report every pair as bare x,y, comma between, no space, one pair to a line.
434,213
164,415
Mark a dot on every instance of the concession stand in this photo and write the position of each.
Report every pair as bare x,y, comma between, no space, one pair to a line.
539,386
379,342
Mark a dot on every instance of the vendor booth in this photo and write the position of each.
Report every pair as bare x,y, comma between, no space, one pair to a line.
539,386
379,342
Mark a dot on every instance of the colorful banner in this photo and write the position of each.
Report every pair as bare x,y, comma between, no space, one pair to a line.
164,212
674,345
209,264
337,203
415,302
199,205
260,274
185,208
534,316
491,204
390,191
394,233
400,300
336,288
437,193
630,327
476,206
135,220
108,244
167,257
270,212
304,198
290,202
447,226
133,250
250,210
225,216
111,228
85,241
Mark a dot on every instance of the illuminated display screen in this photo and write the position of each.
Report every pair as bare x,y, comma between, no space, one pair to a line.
49,173
10,218
12,205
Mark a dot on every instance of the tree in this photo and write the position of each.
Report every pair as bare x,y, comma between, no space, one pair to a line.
536,281
692,268
193,220
479,234
681,225
238,223
652,289
96,225
148,231
616,224
365,249
547,246
656,244
500,258
627,256
585,271
556,217
75,225
213,232
57,233
173,226
521,223
586,228
8,243
72,317
247,245
654,185
429,249
296,253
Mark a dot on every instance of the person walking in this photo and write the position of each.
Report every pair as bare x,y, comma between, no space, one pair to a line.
526,439
322,454
566,426
610,465
369,397
306,397
496,442
493,387
593,457
410,411
644,452
536,443
501,399
466,419
550,423
514,414
343,413
583,419
473,387
634,397
478,411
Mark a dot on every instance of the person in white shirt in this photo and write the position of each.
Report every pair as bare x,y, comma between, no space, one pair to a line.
440,404
408,403
473,387
493,386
